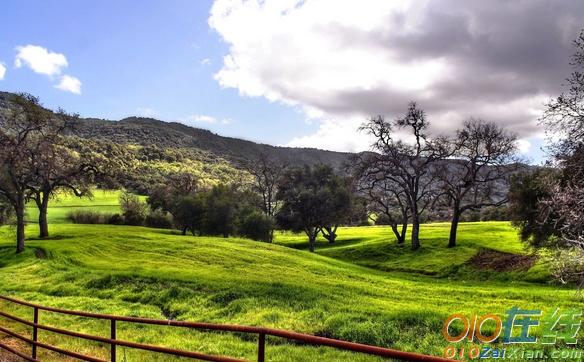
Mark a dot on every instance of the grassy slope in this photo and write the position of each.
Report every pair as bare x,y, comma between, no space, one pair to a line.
375,247
155,273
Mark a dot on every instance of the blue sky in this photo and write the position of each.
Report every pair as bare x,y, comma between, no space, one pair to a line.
137,58
293,72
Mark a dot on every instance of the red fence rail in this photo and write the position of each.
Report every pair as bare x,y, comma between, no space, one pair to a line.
114,342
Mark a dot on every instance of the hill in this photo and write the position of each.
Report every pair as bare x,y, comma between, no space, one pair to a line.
152,132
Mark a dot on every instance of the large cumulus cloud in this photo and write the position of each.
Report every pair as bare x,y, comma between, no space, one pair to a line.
342,61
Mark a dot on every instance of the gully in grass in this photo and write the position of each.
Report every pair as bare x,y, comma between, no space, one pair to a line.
518,327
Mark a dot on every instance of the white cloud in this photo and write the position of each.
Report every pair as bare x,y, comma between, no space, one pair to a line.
342,61
43,61
205,61
202,118
2,71
523,146
68,83
335,136
40,60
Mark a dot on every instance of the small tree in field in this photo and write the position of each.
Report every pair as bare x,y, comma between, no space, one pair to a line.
23,130
386,199
134,210
478,175
313,199
221,211
408,165
189,213
266,173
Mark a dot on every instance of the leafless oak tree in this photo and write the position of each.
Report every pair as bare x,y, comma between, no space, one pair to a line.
477,174
409,165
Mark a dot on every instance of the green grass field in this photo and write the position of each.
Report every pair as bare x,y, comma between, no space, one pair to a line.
363,288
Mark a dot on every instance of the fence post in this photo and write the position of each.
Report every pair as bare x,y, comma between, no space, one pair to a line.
262,348
113,336
35,332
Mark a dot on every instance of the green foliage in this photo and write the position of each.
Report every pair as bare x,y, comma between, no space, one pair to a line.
526,193
159,219
313,198
134,210
221,211
189,213
256,225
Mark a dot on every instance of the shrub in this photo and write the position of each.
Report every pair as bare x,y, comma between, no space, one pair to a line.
88,217
159,219
256,226
134,211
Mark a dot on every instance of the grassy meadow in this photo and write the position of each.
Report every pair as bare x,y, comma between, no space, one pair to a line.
363,288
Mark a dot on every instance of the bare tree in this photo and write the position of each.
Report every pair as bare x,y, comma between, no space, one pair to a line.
384,196
266,173
478,174
409,165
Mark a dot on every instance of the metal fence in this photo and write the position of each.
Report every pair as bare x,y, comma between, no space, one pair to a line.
113,342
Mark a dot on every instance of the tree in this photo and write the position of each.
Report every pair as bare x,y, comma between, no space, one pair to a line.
266,173
385,198
189,213
221,211
256,225
528,193
58,167
408,165
478,174
313,199
168,196
339,202
134,210
562,208
22,131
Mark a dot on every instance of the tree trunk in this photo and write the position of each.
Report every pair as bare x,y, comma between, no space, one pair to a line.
43,222
403,232
311,239
184,230
20,225
331,234
398,236
415,232
454,227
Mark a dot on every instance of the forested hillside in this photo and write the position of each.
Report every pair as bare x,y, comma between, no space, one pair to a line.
152,132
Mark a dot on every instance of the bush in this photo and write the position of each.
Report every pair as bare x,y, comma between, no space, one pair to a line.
134,211
88,217
116,219
159,219
256,226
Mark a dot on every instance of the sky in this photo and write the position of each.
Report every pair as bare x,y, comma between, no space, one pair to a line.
302,73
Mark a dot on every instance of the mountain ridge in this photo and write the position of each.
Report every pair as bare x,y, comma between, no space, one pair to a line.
147,131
